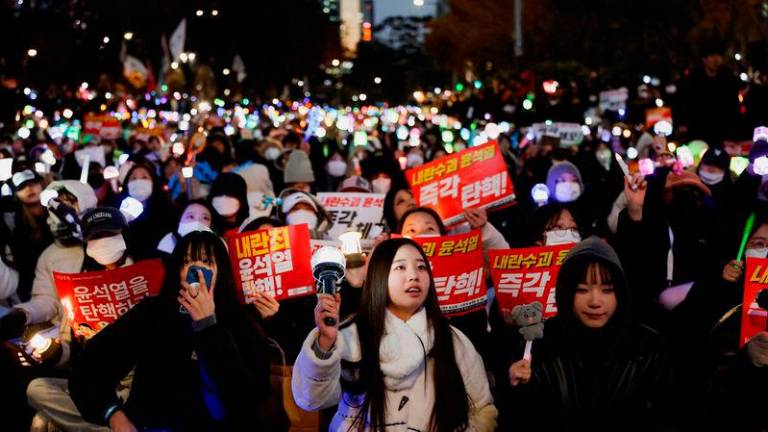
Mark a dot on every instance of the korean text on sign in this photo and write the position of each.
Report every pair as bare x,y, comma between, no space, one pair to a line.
361,212
274,262
457,268
524,276
475,177
753,317
93,300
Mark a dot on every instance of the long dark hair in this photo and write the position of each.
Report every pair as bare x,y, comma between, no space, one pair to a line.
198,243
448,413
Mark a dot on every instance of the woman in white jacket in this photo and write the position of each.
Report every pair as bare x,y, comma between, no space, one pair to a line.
397,365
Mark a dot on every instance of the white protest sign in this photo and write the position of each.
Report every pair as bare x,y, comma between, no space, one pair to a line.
570,134
614,100
362,212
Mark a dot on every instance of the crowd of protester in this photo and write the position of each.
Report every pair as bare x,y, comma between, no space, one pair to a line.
646,338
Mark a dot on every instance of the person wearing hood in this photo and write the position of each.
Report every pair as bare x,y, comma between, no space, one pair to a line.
595,365
298,172
197,215
158,215
666,235
23,226
564,183
229,200
714,171
299,207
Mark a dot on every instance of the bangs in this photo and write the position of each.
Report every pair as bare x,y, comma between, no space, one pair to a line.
596,272
197,248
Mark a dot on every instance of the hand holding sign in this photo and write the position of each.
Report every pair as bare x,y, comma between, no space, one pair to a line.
266,305
477,217
757,349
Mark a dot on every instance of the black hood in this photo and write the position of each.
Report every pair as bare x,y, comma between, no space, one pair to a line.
572,272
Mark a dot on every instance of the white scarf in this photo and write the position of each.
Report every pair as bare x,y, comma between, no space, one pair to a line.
404,348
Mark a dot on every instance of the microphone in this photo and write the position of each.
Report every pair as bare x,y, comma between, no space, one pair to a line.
328,265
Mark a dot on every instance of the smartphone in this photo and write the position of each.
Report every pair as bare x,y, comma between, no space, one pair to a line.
194,278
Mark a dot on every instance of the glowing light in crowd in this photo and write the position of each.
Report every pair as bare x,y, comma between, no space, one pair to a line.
685,156
377,80
350,243
550,86
111,172
646,166
187,172
215,12
39,343
418,3
320,132
418,96
738,164
744,77
402,133
403,162
128,35
32,52
663,127
616,131
360,138
626,133
48,157
585,130
672,147
199,12
632,153
131,207
492,131
335,62
540,194
23,133
479,140
447,136
760,165
105,40
123,158
646,79
527,104
659,102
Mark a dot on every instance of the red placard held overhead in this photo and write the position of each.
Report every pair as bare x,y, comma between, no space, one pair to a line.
523,276
753,317
94,300
457,268
103,125
272,261
473,178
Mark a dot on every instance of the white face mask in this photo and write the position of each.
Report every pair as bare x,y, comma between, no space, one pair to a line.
272,153
567,191
141,189
381,185
188,227
756,252
560,237
337,168
302,216
414,160
604,158
711,179
225,205
107,250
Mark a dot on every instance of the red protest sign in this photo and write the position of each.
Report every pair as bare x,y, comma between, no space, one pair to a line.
94,300
103,125
458,271
523,276
655,115
473,178
273,261
753,317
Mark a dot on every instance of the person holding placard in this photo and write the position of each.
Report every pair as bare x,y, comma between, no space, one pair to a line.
397,361
200,360
595,365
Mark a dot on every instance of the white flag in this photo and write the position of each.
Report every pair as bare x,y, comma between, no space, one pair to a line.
135,71
177,40
239,67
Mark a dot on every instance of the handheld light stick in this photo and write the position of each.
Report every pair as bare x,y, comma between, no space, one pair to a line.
625,169
328,265
187,172
84,171
745,236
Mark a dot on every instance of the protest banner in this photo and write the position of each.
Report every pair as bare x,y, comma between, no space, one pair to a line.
275,262
472,178
458,270
614,100
523,276
570,134
103,125
362,212
655,115
94,300
753,317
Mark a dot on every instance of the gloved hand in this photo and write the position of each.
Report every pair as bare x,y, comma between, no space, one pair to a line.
12,325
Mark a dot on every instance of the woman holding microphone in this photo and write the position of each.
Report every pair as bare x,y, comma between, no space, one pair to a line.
386,365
